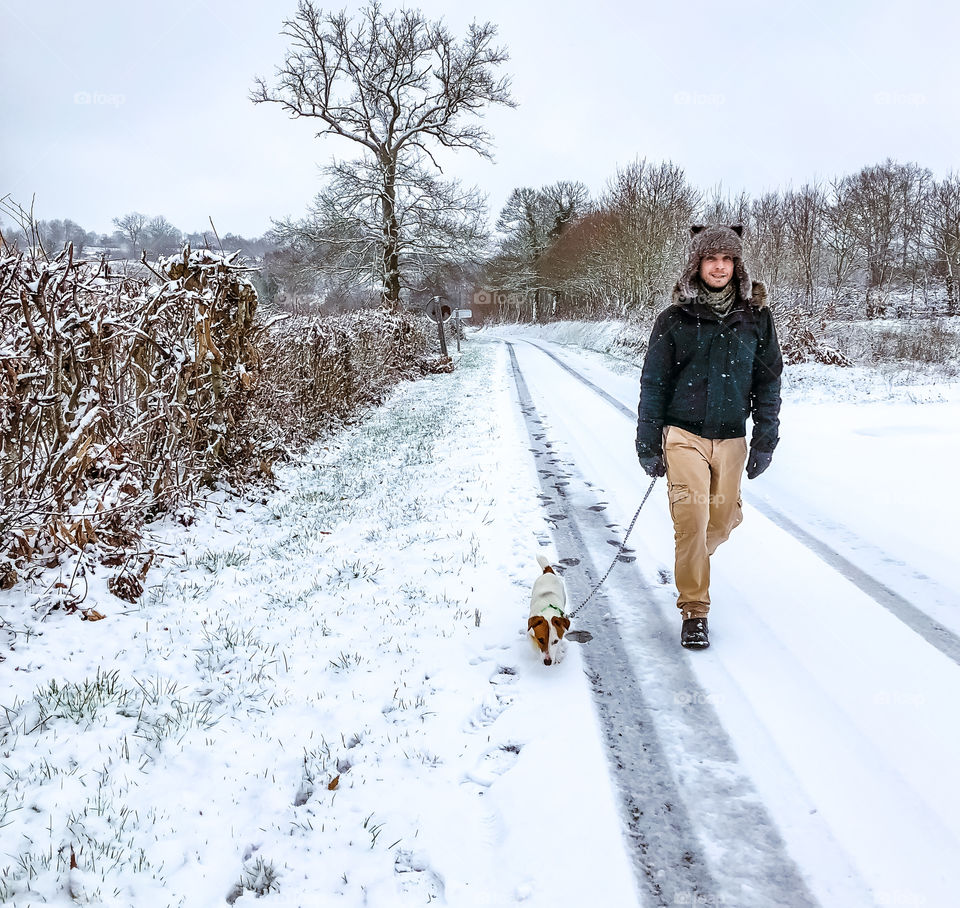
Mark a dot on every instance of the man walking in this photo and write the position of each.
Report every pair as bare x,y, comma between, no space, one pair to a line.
713,360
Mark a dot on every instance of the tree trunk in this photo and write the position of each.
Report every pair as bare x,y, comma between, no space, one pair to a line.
391,238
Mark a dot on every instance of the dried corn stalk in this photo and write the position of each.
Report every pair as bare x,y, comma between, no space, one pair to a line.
119,393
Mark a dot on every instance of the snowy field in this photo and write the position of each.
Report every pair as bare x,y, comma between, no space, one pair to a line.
326,695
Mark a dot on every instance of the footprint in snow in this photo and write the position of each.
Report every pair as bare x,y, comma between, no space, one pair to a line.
505,674
487,713
415,876
493,764
480,658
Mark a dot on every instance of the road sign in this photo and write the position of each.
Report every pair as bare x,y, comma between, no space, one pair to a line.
438,310
462,313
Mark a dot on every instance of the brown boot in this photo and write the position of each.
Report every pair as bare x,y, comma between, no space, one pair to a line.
693,634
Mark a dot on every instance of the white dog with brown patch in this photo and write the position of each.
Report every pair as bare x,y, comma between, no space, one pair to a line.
548,621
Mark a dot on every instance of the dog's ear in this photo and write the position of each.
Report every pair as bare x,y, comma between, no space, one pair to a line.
541,631
562,624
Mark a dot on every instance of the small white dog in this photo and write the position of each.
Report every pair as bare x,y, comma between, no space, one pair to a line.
548,623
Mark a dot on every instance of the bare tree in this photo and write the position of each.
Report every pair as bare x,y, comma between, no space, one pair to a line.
650,208
576,266
942,235
720,208
882,201
564,203
291,276
914,186
531,222
803,210
132,226
523,226
162,237
438,221
840,236
398,86
767,240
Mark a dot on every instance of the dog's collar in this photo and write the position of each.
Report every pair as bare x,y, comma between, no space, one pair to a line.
556,608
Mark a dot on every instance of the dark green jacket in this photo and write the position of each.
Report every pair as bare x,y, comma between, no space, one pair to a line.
707,375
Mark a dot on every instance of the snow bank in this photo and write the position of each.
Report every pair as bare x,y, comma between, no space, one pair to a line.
618,347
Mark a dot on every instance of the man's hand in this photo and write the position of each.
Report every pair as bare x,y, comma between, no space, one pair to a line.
653,465
758,462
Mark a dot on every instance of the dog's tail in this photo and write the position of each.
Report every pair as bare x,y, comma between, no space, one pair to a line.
545,564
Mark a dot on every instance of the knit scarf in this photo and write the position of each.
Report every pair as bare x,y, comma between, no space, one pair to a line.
720,301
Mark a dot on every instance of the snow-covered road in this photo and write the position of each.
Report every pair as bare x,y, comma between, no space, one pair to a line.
699,833
840,714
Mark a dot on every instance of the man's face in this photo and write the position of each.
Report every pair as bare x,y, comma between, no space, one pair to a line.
716,271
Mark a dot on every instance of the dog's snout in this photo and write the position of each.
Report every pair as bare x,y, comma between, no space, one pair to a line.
547,660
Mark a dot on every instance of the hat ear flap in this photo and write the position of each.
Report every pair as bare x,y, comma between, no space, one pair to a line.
743,280
737,229
696,228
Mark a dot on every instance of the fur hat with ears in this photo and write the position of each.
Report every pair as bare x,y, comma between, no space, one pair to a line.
716,239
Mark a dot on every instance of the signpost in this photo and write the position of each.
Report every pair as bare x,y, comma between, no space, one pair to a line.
439,310
460,316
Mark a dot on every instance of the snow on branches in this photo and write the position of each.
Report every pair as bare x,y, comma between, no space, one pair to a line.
118,393
123,392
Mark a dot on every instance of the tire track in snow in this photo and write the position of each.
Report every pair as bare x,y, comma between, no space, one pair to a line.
938,636
672,793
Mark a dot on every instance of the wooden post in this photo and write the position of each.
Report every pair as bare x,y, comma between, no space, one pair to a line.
443,340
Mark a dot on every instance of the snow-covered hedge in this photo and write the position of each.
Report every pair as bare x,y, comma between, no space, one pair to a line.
120,396
317,372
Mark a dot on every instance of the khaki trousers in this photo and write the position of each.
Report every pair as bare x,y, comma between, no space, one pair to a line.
703,485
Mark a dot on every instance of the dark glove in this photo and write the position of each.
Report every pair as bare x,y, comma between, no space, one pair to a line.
653,465
758,462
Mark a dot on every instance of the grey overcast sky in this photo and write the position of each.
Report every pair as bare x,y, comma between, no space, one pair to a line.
110,106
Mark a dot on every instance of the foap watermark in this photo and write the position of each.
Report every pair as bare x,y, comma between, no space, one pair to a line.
99,98
497,297
901,898
699,898
699,98
899,98
711,498
696,698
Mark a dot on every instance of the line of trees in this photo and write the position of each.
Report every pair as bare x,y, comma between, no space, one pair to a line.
398,87
882,241
134,234
885,240
292,275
